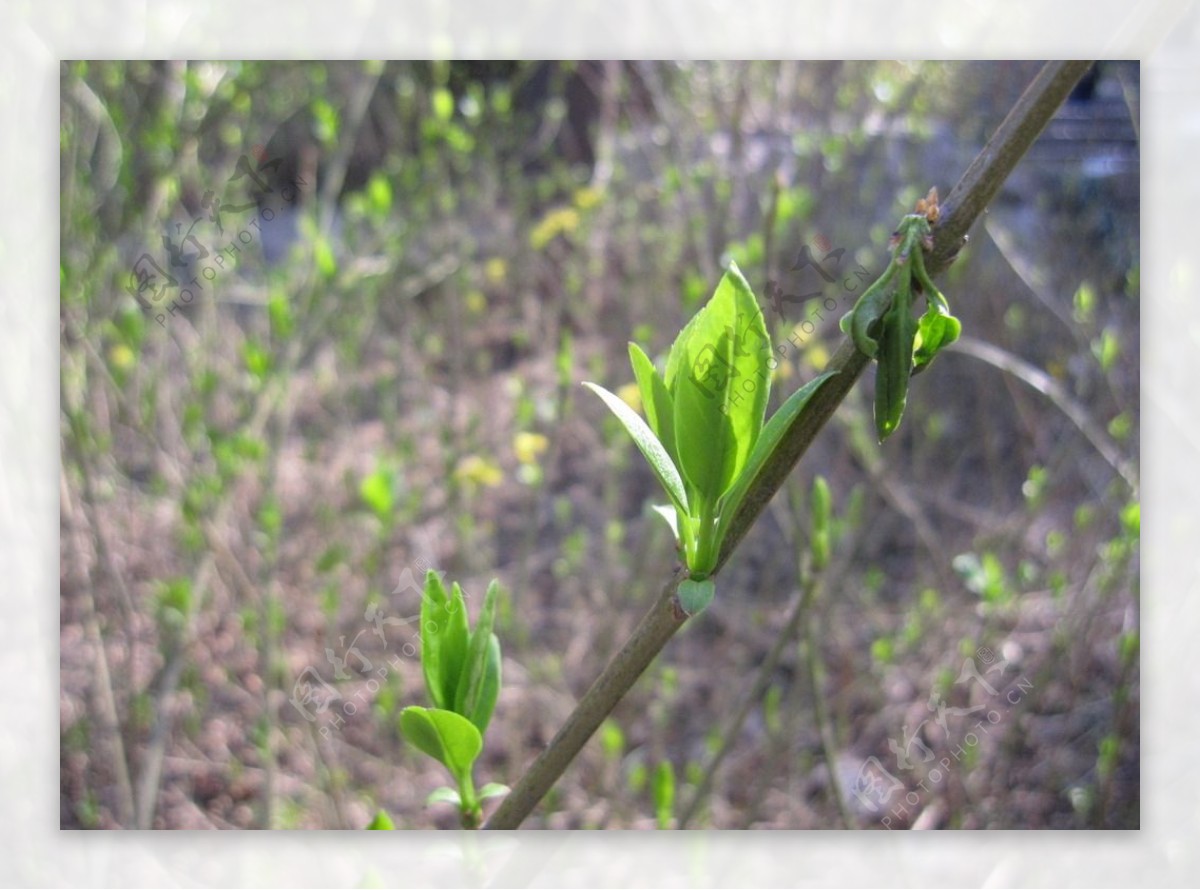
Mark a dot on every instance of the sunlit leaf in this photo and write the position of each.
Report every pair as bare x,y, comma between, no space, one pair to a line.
444,794
667,512
768,440
936,330
381,822
664,793
449,738
648,444
721,387
444,640
479,680
493,789
656,400
376,491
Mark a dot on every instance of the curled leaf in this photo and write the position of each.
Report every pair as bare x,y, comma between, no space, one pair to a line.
936,329
894,361
860,322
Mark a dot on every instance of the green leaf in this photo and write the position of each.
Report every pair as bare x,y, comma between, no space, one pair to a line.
656,400
479,683
694,595
448,738
821,511
860,321
1107,349
821,506
820,548
443,103
771,435
721,388
667,512
936,330
257,358
379,192
444,640
894,362
751,386
279,310
493,789
491,685
444,794
664,793
653,450
381,822
707,448
323,258
675,358
377,493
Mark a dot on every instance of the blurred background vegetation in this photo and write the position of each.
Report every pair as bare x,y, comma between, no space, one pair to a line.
323,327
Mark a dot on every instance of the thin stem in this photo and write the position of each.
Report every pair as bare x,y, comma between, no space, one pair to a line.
816,679
967,200
469,809
704,556
734,728
656,627
975,190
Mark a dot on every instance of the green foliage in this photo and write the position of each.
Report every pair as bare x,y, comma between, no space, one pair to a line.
704,435
369,303
650,446
381,822
664,793
882,324
821,509
378,493
612,740
984,576
695,595
721,389
479,681
173,603
461,667
444,640
447,737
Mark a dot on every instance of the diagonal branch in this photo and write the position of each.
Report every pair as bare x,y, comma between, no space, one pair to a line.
960,210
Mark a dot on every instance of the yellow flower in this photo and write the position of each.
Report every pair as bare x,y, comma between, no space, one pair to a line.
560,221
122,357
528,446
818,356
476,302
495,270
478,471
587,197
631,396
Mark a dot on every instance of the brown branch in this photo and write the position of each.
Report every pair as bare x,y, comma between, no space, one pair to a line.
959,212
